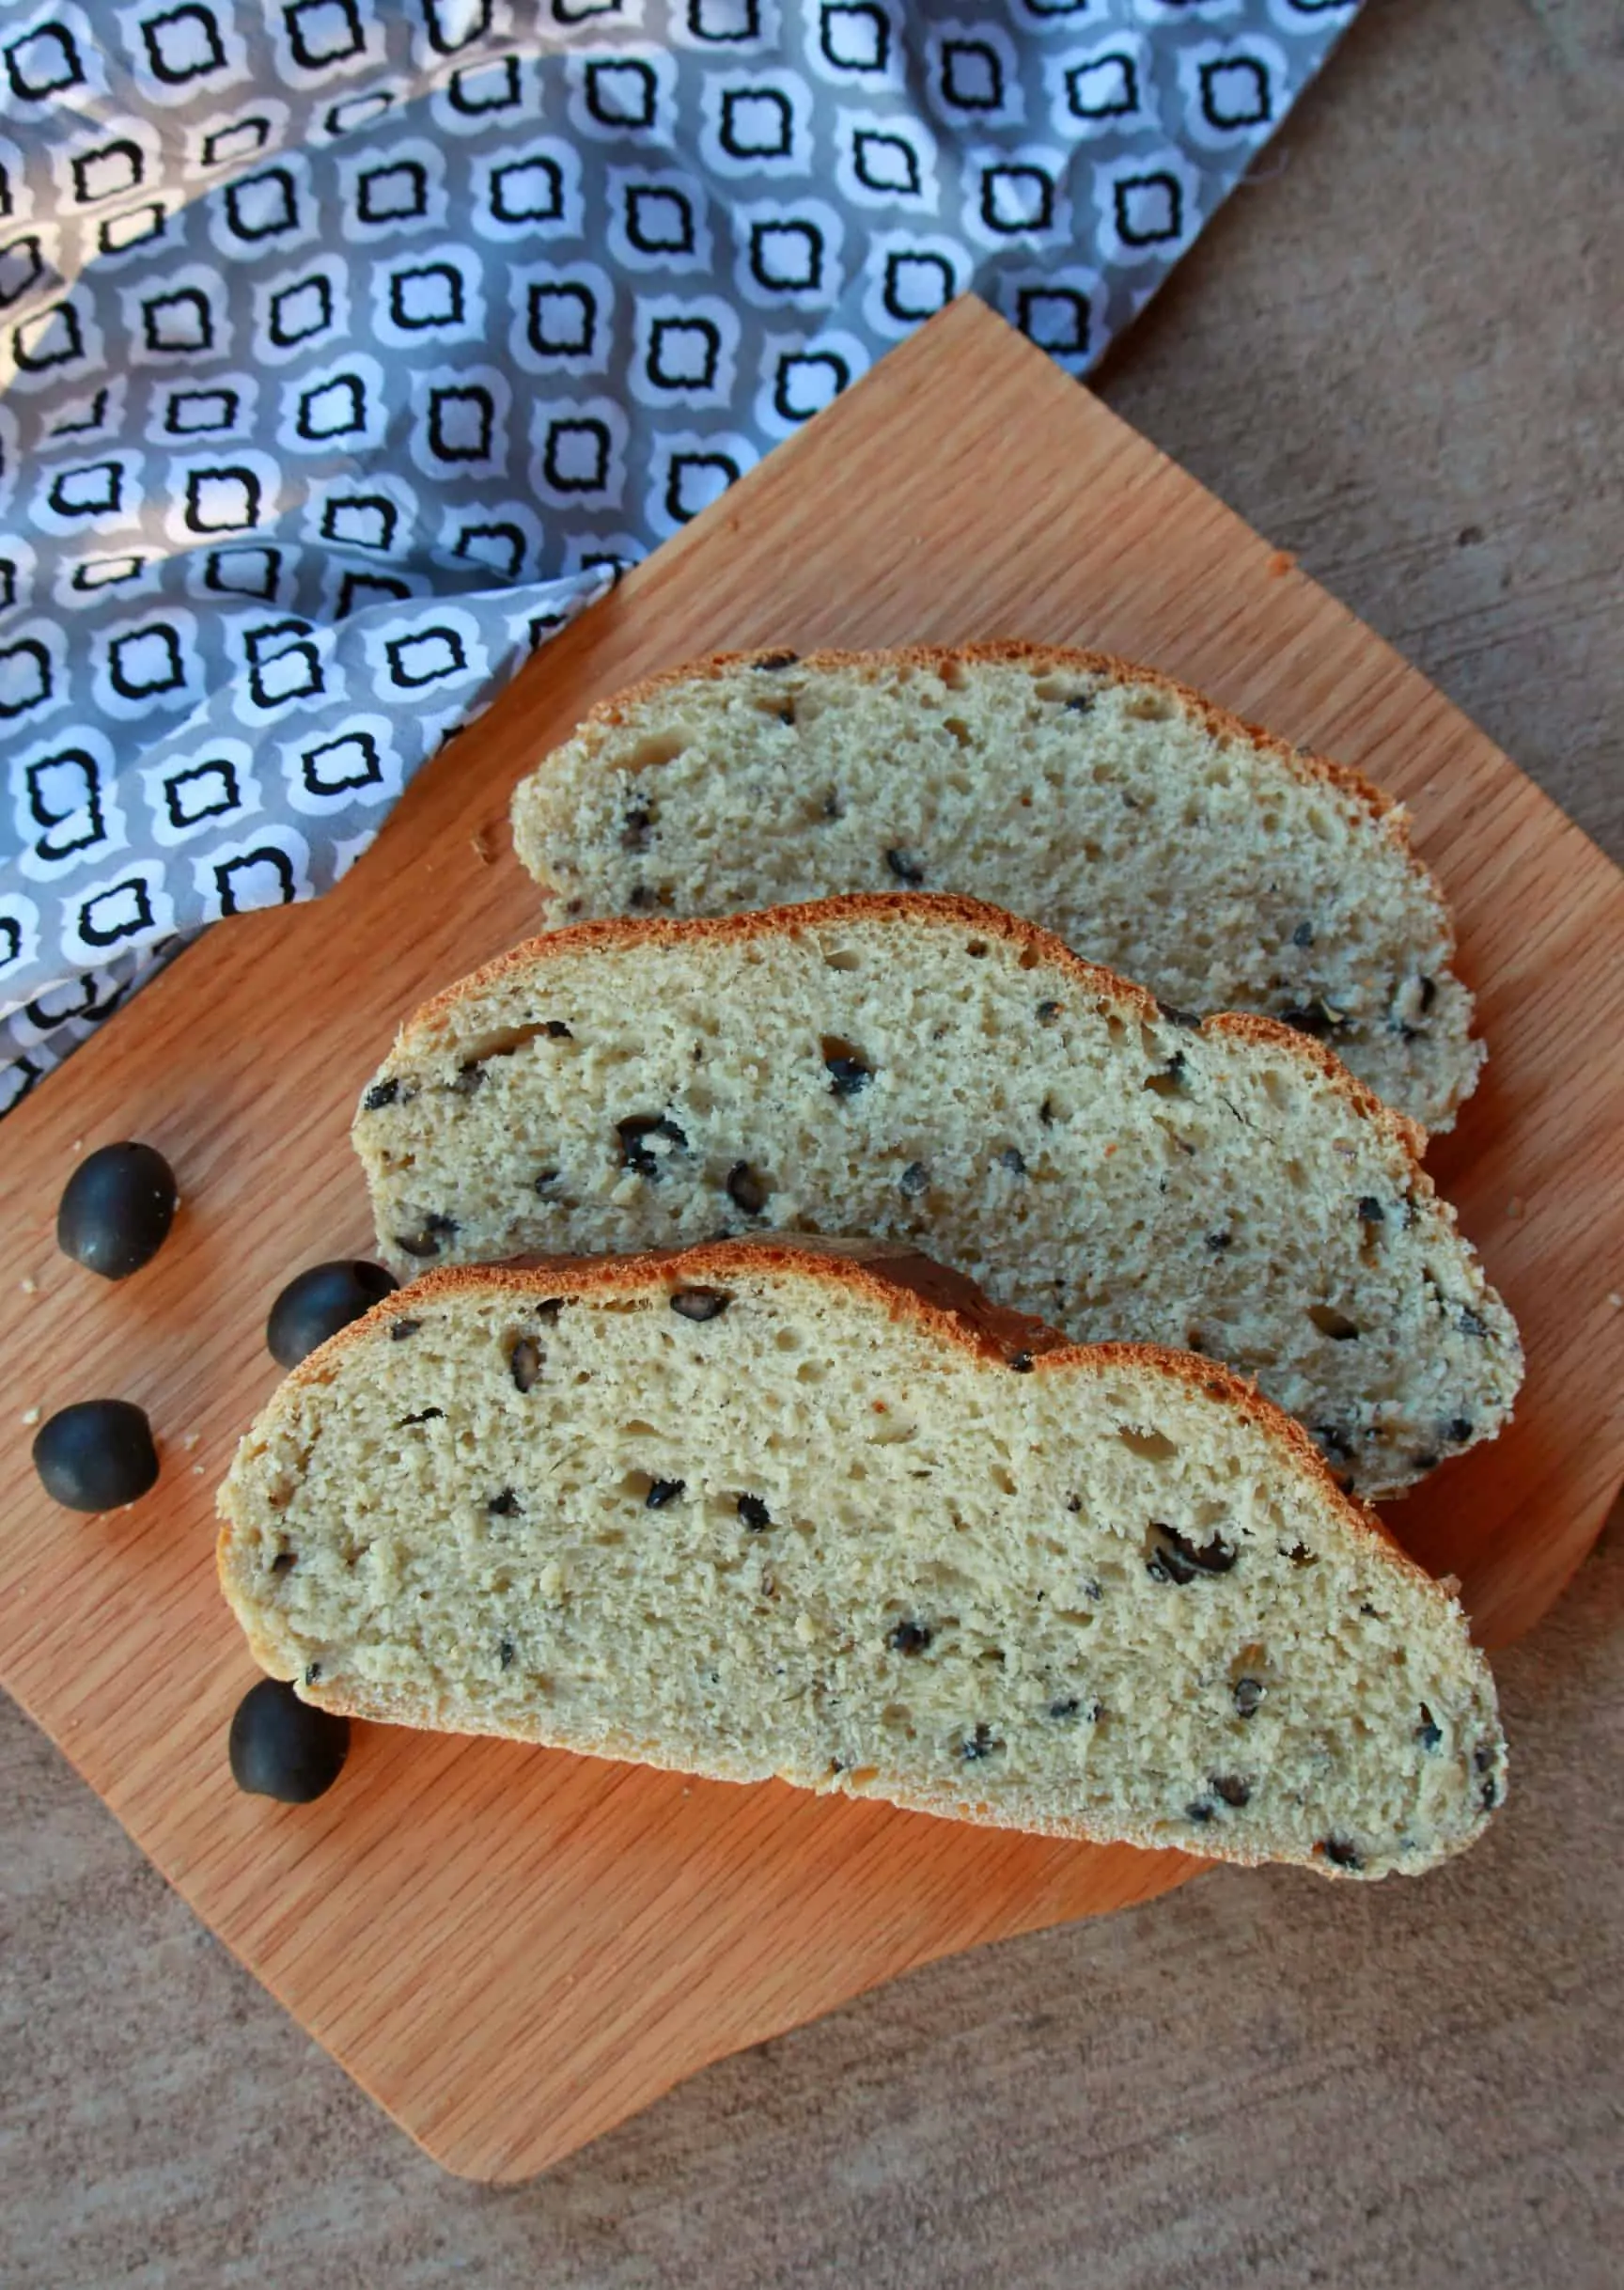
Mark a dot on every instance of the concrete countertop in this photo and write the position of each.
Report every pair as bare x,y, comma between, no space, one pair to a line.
1397,353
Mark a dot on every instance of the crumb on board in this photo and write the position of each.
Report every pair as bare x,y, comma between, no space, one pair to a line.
31,1415
1281,561
1615,1300
197,1471
484,847
30,1286
191,1440
78,1144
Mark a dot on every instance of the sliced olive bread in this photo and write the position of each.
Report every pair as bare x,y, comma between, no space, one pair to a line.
927,1069
1151,830
755,1511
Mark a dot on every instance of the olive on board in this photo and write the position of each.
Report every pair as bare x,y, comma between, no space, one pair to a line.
117,1209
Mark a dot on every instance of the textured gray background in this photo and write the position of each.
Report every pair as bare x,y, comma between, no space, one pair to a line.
1394,355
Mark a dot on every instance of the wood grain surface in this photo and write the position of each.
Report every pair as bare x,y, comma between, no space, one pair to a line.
512,1948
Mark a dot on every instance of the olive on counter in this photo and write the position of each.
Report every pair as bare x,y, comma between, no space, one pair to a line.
96,1455
117,1209
281,1748
317,1303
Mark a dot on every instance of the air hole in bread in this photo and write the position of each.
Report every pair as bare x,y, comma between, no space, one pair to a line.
1150,1446
653,749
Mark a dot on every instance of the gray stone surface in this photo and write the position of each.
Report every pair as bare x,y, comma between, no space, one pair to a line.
1398,355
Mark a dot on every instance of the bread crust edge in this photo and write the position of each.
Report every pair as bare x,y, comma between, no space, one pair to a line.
955,909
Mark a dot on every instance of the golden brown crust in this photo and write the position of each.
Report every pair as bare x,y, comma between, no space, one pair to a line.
910,1287
1129,1001
1383,810
618,931
1409,1136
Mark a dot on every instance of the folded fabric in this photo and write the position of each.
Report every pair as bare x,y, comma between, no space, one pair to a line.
349,346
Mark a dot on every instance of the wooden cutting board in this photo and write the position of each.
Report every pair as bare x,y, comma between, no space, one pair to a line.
512,1948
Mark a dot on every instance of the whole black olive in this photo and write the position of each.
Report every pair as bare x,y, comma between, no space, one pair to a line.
96,1454
117,1209
317,1303
281,1748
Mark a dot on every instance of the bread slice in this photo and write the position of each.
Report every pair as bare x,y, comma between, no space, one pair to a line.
756,1511
1151,831
929,1070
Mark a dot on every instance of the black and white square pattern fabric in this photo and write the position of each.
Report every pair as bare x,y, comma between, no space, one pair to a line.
348,348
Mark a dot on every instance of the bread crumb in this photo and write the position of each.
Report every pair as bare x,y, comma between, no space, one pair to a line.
30,1287
1280,563
78,1145
197,1471
568,828
483,850
31,1415
191,1440
634,1615
1253,1317
1615,1300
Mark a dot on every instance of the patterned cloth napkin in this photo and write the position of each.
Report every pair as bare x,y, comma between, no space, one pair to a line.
347,348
